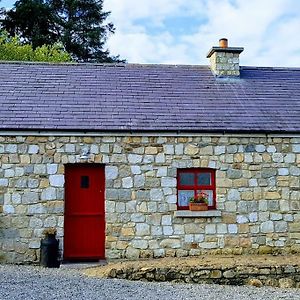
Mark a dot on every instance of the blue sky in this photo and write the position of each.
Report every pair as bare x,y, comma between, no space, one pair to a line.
182,31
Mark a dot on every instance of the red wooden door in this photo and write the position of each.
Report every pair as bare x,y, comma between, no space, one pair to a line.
84,236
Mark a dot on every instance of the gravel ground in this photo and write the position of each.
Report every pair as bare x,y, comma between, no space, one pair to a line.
23,282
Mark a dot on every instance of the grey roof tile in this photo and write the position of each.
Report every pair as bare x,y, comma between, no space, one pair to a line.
129,97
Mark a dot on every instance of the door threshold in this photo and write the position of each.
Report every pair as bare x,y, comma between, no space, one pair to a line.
82,264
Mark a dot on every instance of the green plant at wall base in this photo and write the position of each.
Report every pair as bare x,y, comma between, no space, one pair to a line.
200,198
11,49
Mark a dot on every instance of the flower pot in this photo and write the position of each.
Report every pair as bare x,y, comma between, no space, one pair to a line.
198,206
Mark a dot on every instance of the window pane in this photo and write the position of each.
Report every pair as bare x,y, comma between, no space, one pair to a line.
204,179
209,193
187,179
184,197
85,182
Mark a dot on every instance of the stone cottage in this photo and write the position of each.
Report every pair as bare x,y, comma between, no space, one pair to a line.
110,155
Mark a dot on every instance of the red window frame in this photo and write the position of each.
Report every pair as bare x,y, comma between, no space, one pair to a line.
195,187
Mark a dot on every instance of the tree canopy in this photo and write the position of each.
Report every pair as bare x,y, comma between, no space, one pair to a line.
31,20
79,25
11,49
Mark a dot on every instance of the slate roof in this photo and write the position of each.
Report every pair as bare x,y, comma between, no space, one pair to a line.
126,97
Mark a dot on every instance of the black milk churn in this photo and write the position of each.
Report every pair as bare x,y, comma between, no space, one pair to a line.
49,252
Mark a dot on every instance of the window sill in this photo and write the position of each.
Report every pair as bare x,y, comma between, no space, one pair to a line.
197,214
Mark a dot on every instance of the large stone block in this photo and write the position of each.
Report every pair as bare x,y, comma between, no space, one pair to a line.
281,226
34,244
57,180
170,243
30,197
33,149
120,158
210,229
11,148
127,182
272,195
8,209
139,244
233,195
48,194
35,222
168,182
234,174
132,253
151,150
39,169
268,172
166,220
232,228
135,158
111,172
267,227
3,182
156,195
37,209
191,150
55,207
168,149
127,231
33,183
139,181
242,219
142,229
192,228
220,150
168,231
156,231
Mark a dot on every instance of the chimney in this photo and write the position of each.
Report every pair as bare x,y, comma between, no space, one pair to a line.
224,60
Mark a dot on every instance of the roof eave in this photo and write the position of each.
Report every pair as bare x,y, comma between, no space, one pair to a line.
147,131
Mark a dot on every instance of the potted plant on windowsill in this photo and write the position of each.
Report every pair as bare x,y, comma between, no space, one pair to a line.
199,202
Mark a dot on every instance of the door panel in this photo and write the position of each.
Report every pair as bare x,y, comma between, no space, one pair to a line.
84,236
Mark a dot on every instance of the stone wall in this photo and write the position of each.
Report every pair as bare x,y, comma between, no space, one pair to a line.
258,192
225,64
277,276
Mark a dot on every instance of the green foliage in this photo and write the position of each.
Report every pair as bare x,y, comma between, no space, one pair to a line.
32,21
11,49
79,25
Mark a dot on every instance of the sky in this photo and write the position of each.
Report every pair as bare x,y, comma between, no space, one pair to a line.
183,31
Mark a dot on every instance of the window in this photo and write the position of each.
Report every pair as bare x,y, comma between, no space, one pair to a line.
190,182
85,182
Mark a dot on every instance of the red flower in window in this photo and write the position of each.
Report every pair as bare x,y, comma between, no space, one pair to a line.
200,198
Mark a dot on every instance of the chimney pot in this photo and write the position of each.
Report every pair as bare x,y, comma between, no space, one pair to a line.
223,43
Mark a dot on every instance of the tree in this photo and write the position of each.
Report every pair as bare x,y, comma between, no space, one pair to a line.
32,21
11,49
78,24
2,10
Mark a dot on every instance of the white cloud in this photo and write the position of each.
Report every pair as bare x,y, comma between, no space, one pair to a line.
143,48
268,29
253,25
127,11
136,43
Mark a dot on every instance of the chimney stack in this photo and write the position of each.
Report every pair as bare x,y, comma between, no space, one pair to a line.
224,60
